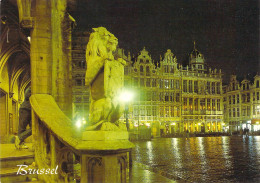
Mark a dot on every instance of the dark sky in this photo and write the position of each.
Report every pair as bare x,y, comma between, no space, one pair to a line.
225,31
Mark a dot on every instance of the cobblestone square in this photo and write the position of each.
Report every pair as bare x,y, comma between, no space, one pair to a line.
202,159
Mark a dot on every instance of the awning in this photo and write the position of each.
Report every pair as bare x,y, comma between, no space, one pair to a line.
255,121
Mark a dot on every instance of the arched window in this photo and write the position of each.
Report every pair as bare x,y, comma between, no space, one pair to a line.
141,68
147,70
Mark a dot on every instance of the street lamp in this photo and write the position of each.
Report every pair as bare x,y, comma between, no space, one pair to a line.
126,97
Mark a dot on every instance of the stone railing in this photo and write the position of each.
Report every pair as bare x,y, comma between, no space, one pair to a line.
96,156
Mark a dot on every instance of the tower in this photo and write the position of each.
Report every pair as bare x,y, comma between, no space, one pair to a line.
197,61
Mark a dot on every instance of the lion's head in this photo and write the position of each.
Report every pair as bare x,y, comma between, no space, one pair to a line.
101,43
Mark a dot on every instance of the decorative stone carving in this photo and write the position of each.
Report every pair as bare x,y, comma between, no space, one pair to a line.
25,19
105,77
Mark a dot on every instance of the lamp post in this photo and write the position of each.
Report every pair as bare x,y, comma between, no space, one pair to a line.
126,97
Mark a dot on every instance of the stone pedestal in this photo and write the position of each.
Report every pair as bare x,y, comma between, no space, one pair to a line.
105,156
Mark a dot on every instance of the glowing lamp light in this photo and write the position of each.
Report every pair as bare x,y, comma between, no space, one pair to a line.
126,96
173,123
199,124
147,124
78,123
257,122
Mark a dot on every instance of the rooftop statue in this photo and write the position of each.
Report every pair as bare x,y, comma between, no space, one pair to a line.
105,77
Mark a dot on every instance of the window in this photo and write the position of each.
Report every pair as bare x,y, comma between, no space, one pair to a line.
147,71
153,82
136,81
202,104
184,85
234,99
167,111
218,104
243,98
126,70
161,83
243,111
248,110
154,111
154,96
177,84
218,88
229,112
77,99
166,96
141,68
148,84
141,81
196,86
78,82
196,104
166,83
142,110
148,96
208,104
149,110
166,69
161,111
172,111
178,111
229,98
190,103
190,86
161,96
177,97
237,98
213,104
257,96
248,97
172,83
213,87
208,87
257,84
234,112
172,97
238,113
185,102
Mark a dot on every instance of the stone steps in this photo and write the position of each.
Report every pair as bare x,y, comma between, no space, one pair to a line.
10,157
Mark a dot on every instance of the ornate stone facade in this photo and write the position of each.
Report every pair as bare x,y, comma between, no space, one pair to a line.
169,98
172,99
242,104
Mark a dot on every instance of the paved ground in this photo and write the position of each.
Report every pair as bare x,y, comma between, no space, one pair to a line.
139,173
142,174
9,150
202,159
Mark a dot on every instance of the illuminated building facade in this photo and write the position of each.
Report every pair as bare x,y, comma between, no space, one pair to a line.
242,104
172,99
79,90
169,98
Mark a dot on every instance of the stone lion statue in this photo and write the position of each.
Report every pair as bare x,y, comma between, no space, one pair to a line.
105,77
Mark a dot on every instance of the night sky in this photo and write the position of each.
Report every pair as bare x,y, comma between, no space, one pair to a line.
225,31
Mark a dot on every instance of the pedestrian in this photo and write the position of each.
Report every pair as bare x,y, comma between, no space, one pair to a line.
247,132
187,133
25,119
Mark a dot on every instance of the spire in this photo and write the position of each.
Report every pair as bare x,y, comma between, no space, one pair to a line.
194,42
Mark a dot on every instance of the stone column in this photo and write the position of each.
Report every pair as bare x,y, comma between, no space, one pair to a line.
50,52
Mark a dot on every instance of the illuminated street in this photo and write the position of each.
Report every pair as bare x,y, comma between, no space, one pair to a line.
202,159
